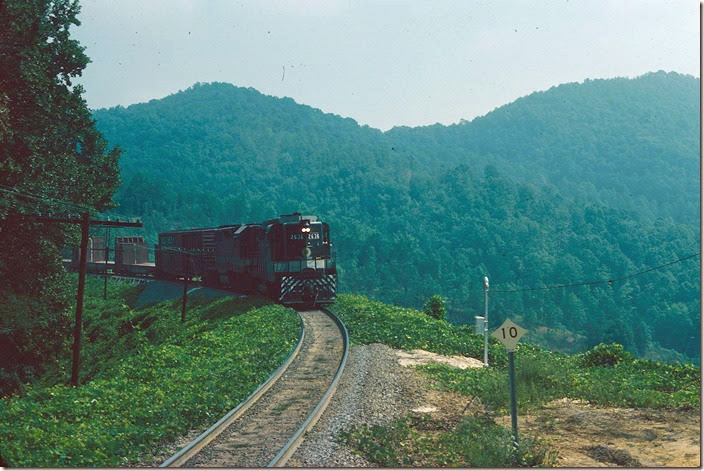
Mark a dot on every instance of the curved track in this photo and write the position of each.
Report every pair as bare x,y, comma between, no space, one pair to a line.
265,430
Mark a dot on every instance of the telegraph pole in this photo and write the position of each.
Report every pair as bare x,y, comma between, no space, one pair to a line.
79,299
85,223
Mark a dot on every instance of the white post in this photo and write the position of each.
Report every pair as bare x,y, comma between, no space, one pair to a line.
486,321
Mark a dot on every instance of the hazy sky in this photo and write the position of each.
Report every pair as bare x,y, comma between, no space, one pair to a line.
380,62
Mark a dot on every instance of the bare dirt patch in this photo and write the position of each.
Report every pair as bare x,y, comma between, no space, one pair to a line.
589,436
422,357
584,435
376,388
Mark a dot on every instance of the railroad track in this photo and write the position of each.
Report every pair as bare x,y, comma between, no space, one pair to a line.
267,428
129,279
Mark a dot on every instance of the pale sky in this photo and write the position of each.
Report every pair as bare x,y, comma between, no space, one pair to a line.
381,62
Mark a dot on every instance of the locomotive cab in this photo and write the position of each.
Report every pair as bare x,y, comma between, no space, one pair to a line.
306,241
301,253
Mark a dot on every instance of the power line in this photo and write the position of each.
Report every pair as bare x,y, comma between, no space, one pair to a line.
92,222
14,192
598,282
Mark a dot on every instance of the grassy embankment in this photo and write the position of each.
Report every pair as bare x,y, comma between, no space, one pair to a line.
605,375
146,378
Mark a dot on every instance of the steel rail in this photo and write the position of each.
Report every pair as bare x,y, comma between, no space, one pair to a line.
294,442
190,450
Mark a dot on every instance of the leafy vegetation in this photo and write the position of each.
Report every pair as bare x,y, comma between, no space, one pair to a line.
606,375
560,186
605,355
375,322
424,442
542,376
48,147
149,379
435,307
625,143
583,181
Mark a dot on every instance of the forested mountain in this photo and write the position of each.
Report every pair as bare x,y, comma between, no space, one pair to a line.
631,144
528,195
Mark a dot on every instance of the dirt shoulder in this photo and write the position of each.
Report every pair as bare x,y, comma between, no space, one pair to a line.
589,436
584,435
381,383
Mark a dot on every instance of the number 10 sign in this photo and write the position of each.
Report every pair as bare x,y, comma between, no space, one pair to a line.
509,334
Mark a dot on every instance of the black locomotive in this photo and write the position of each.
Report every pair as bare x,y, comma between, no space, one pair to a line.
289,258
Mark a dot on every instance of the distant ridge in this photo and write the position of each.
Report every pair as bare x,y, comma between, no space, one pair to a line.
579,182
628,143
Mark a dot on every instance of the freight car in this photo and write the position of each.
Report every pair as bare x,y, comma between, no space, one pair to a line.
289,258
131,257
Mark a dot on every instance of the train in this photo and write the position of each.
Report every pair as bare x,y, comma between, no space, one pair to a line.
290,258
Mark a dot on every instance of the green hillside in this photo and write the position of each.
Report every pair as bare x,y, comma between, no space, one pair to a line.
605,376
147,378
626,143
406,228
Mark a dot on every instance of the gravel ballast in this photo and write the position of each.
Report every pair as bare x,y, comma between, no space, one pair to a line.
374,390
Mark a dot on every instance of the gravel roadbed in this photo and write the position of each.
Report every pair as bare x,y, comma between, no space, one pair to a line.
374,389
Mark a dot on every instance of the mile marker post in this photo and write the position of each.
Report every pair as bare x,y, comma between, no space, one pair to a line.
509,334
185,287
486,321
514,412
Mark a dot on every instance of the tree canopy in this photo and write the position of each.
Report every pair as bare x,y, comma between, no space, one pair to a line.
413,214
51,157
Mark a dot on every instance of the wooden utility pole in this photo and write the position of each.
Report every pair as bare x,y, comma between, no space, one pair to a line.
79,299
85,223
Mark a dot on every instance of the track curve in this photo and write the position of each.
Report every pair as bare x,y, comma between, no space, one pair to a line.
274,423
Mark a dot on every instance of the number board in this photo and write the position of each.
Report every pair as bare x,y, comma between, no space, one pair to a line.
509,334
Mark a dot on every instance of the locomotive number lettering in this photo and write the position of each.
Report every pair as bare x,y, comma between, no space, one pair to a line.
310,235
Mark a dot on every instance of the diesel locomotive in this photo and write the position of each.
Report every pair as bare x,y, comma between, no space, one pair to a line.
289,258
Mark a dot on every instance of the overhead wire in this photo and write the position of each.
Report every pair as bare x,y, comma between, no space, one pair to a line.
598,282
45,199
36,197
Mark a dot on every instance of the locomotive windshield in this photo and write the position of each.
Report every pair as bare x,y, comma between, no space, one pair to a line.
305,241
302,240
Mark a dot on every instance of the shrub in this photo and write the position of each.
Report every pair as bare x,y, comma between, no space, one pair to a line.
427,442
375,322
435,307
540,378
605,355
